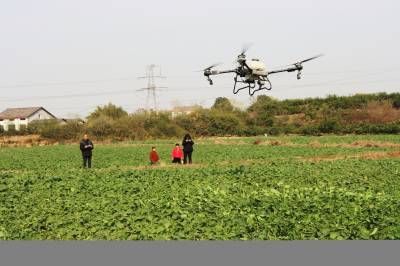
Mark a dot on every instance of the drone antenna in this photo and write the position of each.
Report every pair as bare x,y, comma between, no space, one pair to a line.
151,86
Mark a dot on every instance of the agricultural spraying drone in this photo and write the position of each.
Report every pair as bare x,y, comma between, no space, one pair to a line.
253,73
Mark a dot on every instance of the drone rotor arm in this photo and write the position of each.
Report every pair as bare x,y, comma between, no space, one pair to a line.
209,72
227,71
289,69
295,67
218,72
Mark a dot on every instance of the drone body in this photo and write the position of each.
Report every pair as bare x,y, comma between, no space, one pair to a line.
253,73
257,67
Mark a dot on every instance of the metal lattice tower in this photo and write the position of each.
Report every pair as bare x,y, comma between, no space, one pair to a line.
151,86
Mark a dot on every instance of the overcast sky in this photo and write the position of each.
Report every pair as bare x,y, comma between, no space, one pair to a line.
71,55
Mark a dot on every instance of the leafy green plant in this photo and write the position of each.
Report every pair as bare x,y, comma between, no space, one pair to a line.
234,190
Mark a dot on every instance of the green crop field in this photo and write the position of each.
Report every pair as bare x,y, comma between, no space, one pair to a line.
331,187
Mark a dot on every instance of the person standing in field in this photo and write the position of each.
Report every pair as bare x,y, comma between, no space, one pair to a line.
86,147
187,144
154,156
177,154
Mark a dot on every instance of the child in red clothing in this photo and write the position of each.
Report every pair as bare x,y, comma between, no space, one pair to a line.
177,154
154,156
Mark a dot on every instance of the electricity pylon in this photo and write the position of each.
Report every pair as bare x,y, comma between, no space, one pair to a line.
151,87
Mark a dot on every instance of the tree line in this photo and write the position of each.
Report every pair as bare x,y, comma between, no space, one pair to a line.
358,114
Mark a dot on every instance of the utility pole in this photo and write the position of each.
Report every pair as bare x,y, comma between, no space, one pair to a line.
151,86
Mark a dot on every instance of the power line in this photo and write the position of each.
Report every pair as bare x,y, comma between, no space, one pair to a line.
110,92
122,92
339,83
342,81
69,95
343,71
46,84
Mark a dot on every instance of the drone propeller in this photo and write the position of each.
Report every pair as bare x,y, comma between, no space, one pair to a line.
309,59
245,48
301,62
210,67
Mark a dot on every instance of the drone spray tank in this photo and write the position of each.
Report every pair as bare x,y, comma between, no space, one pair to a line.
257,67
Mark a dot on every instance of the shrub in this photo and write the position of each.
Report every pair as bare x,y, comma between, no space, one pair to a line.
72,130
396,101
274,131
328,126
46,128
101,126
110,111
310,130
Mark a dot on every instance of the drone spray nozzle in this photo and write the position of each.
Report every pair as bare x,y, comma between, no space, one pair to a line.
209,79
299,74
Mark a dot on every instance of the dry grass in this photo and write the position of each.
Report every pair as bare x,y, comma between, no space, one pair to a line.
357,144
221,142
375,112
367,155
25,141
316,144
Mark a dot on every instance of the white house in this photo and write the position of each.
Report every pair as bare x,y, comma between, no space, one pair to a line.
18,117
183,110
64,121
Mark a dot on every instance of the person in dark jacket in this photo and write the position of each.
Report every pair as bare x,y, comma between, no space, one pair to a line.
86,147
187,144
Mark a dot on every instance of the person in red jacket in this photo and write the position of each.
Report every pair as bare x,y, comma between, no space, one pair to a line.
154,156
177,154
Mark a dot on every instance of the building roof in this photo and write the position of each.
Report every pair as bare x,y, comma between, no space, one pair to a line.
13,113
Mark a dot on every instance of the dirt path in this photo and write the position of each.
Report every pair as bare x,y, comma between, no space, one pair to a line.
367,156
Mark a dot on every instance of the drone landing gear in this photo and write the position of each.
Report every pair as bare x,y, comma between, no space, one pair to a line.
248,86
261,83
252,85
